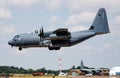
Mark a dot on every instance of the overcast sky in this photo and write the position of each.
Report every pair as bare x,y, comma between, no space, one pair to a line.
25,16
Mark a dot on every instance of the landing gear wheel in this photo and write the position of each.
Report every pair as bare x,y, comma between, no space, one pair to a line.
50,48
57,48
20,48
54,48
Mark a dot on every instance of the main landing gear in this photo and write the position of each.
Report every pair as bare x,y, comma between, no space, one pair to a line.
54,48
20,48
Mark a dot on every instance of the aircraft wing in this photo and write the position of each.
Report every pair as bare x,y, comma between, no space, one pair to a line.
62,32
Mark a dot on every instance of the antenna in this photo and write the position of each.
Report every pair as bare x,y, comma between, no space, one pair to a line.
60,65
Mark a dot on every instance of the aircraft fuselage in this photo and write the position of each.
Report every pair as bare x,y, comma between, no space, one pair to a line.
33,40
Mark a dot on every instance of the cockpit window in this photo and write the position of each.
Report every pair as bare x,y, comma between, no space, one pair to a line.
17,36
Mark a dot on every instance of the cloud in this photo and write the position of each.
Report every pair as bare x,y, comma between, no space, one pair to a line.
114,24
78,18
107,46
21,3
7,29
2,2
5,13
78,5
77,28
48,4
53,19
117,20
52,4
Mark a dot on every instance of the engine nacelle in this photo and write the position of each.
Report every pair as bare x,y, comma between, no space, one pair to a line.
55,37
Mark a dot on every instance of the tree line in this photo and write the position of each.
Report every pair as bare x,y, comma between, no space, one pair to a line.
21,70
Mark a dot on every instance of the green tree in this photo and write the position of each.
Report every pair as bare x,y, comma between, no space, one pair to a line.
73,67
30,71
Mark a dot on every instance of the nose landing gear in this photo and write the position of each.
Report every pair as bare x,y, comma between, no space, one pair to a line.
20,48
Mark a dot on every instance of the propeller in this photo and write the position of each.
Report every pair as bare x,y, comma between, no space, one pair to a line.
41,33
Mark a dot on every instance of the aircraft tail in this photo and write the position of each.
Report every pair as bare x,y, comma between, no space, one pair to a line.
100,23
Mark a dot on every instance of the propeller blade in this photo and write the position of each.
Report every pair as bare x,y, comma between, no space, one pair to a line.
41,33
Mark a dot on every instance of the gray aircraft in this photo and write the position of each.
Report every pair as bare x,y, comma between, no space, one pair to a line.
54,40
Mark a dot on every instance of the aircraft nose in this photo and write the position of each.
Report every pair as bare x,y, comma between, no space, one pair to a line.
10,42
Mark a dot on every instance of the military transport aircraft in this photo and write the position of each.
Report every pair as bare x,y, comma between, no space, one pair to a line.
56,39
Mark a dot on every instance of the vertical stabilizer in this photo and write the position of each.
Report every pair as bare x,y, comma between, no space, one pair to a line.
100,23
82,65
